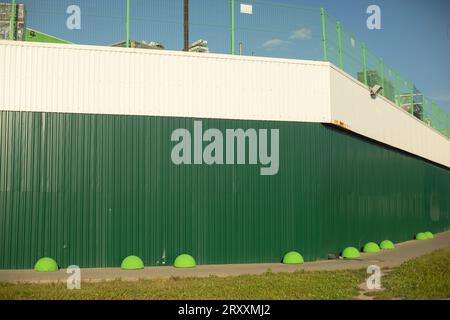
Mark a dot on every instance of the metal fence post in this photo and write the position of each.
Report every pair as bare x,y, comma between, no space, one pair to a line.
363,45
432,114
397,89
232,26
448,127
127,27
12,20
324,34
382,77
338,25
424,108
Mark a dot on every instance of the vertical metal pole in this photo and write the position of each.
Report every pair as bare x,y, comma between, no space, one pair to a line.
448,127
382,77
424,106
363,45
186,25
324,34
127,38
397,90
412,98
12,20
432,114
241,48
338,25
232,26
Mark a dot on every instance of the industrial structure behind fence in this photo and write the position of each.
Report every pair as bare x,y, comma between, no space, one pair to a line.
249,27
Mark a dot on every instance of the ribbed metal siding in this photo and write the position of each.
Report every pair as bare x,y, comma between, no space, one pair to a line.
102,80
92,189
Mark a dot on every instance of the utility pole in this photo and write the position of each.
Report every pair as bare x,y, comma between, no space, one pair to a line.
127,25
186,25
324,34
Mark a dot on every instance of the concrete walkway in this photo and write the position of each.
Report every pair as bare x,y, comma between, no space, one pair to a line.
386,258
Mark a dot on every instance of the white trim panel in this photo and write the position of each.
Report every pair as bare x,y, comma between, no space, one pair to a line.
102,80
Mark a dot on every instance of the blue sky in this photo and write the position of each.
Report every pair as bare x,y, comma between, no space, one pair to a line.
414,38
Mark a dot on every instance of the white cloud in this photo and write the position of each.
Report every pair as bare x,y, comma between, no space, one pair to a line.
274,43
301,34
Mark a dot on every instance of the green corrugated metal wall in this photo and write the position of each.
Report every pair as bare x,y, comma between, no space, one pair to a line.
92,189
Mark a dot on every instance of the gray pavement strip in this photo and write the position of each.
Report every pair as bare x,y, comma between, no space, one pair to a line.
385,259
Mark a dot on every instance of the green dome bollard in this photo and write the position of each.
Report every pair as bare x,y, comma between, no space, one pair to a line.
46,264
421,236
132,263
350,253
429,235
293,257
184,261
371,247
387,245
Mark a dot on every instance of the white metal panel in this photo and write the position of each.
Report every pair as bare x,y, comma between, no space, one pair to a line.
381,120
102,80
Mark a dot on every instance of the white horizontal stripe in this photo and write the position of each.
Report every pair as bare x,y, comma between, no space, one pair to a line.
46,77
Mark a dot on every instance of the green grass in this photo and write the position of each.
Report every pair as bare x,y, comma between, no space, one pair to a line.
426,277
297,285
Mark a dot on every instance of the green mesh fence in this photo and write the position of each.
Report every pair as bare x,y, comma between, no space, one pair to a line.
250,27
389,83
277,30
354,57
332,41
373,69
